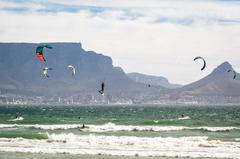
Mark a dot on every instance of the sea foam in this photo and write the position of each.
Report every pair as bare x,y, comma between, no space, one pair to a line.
17,119
194,147
108,127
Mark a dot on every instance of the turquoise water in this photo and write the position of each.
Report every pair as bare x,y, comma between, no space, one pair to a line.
197,116
124,115
121,130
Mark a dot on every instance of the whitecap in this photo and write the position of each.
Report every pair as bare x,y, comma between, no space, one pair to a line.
17,119
184,118
194,147
111,127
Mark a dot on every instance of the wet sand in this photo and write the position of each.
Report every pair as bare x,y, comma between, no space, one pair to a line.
17,155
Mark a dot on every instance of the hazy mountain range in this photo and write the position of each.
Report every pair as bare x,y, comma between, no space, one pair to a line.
21,74
152,80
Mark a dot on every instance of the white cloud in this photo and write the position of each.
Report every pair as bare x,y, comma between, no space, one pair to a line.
140,45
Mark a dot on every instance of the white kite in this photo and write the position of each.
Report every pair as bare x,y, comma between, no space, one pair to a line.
73,69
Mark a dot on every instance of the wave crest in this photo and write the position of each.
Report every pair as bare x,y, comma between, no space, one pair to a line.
194,147
114,128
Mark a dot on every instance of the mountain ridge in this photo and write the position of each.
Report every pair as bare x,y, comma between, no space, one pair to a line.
21,76
152,80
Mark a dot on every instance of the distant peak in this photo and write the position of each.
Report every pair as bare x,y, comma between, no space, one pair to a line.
224,67
226,64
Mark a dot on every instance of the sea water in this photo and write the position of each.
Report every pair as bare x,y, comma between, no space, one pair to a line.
122,130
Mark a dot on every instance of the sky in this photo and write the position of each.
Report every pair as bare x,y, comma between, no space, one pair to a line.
154,37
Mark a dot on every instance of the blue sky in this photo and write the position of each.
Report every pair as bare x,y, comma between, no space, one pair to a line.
148,36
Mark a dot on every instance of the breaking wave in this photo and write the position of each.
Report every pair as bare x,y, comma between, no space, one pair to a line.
124,146
111,127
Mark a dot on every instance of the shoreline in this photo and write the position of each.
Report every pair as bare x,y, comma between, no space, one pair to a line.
22,155
125,105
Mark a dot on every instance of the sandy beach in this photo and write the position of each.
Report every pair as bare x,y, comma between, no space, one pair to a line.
9,155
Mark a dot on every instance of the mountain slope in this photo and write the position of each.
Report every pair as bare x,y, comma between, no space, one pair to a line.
152,80
219,83
21,75
21,70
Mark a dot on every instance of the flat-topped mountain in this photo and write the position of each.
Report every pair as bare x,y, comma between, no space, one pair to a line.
21,71
21,75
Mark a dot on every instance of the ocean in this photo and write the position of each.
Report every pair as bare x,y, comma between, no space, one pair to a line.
120,131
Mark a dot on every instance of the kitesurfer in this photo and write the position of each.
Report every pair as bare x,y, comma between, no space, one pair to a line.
45,71
102,89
